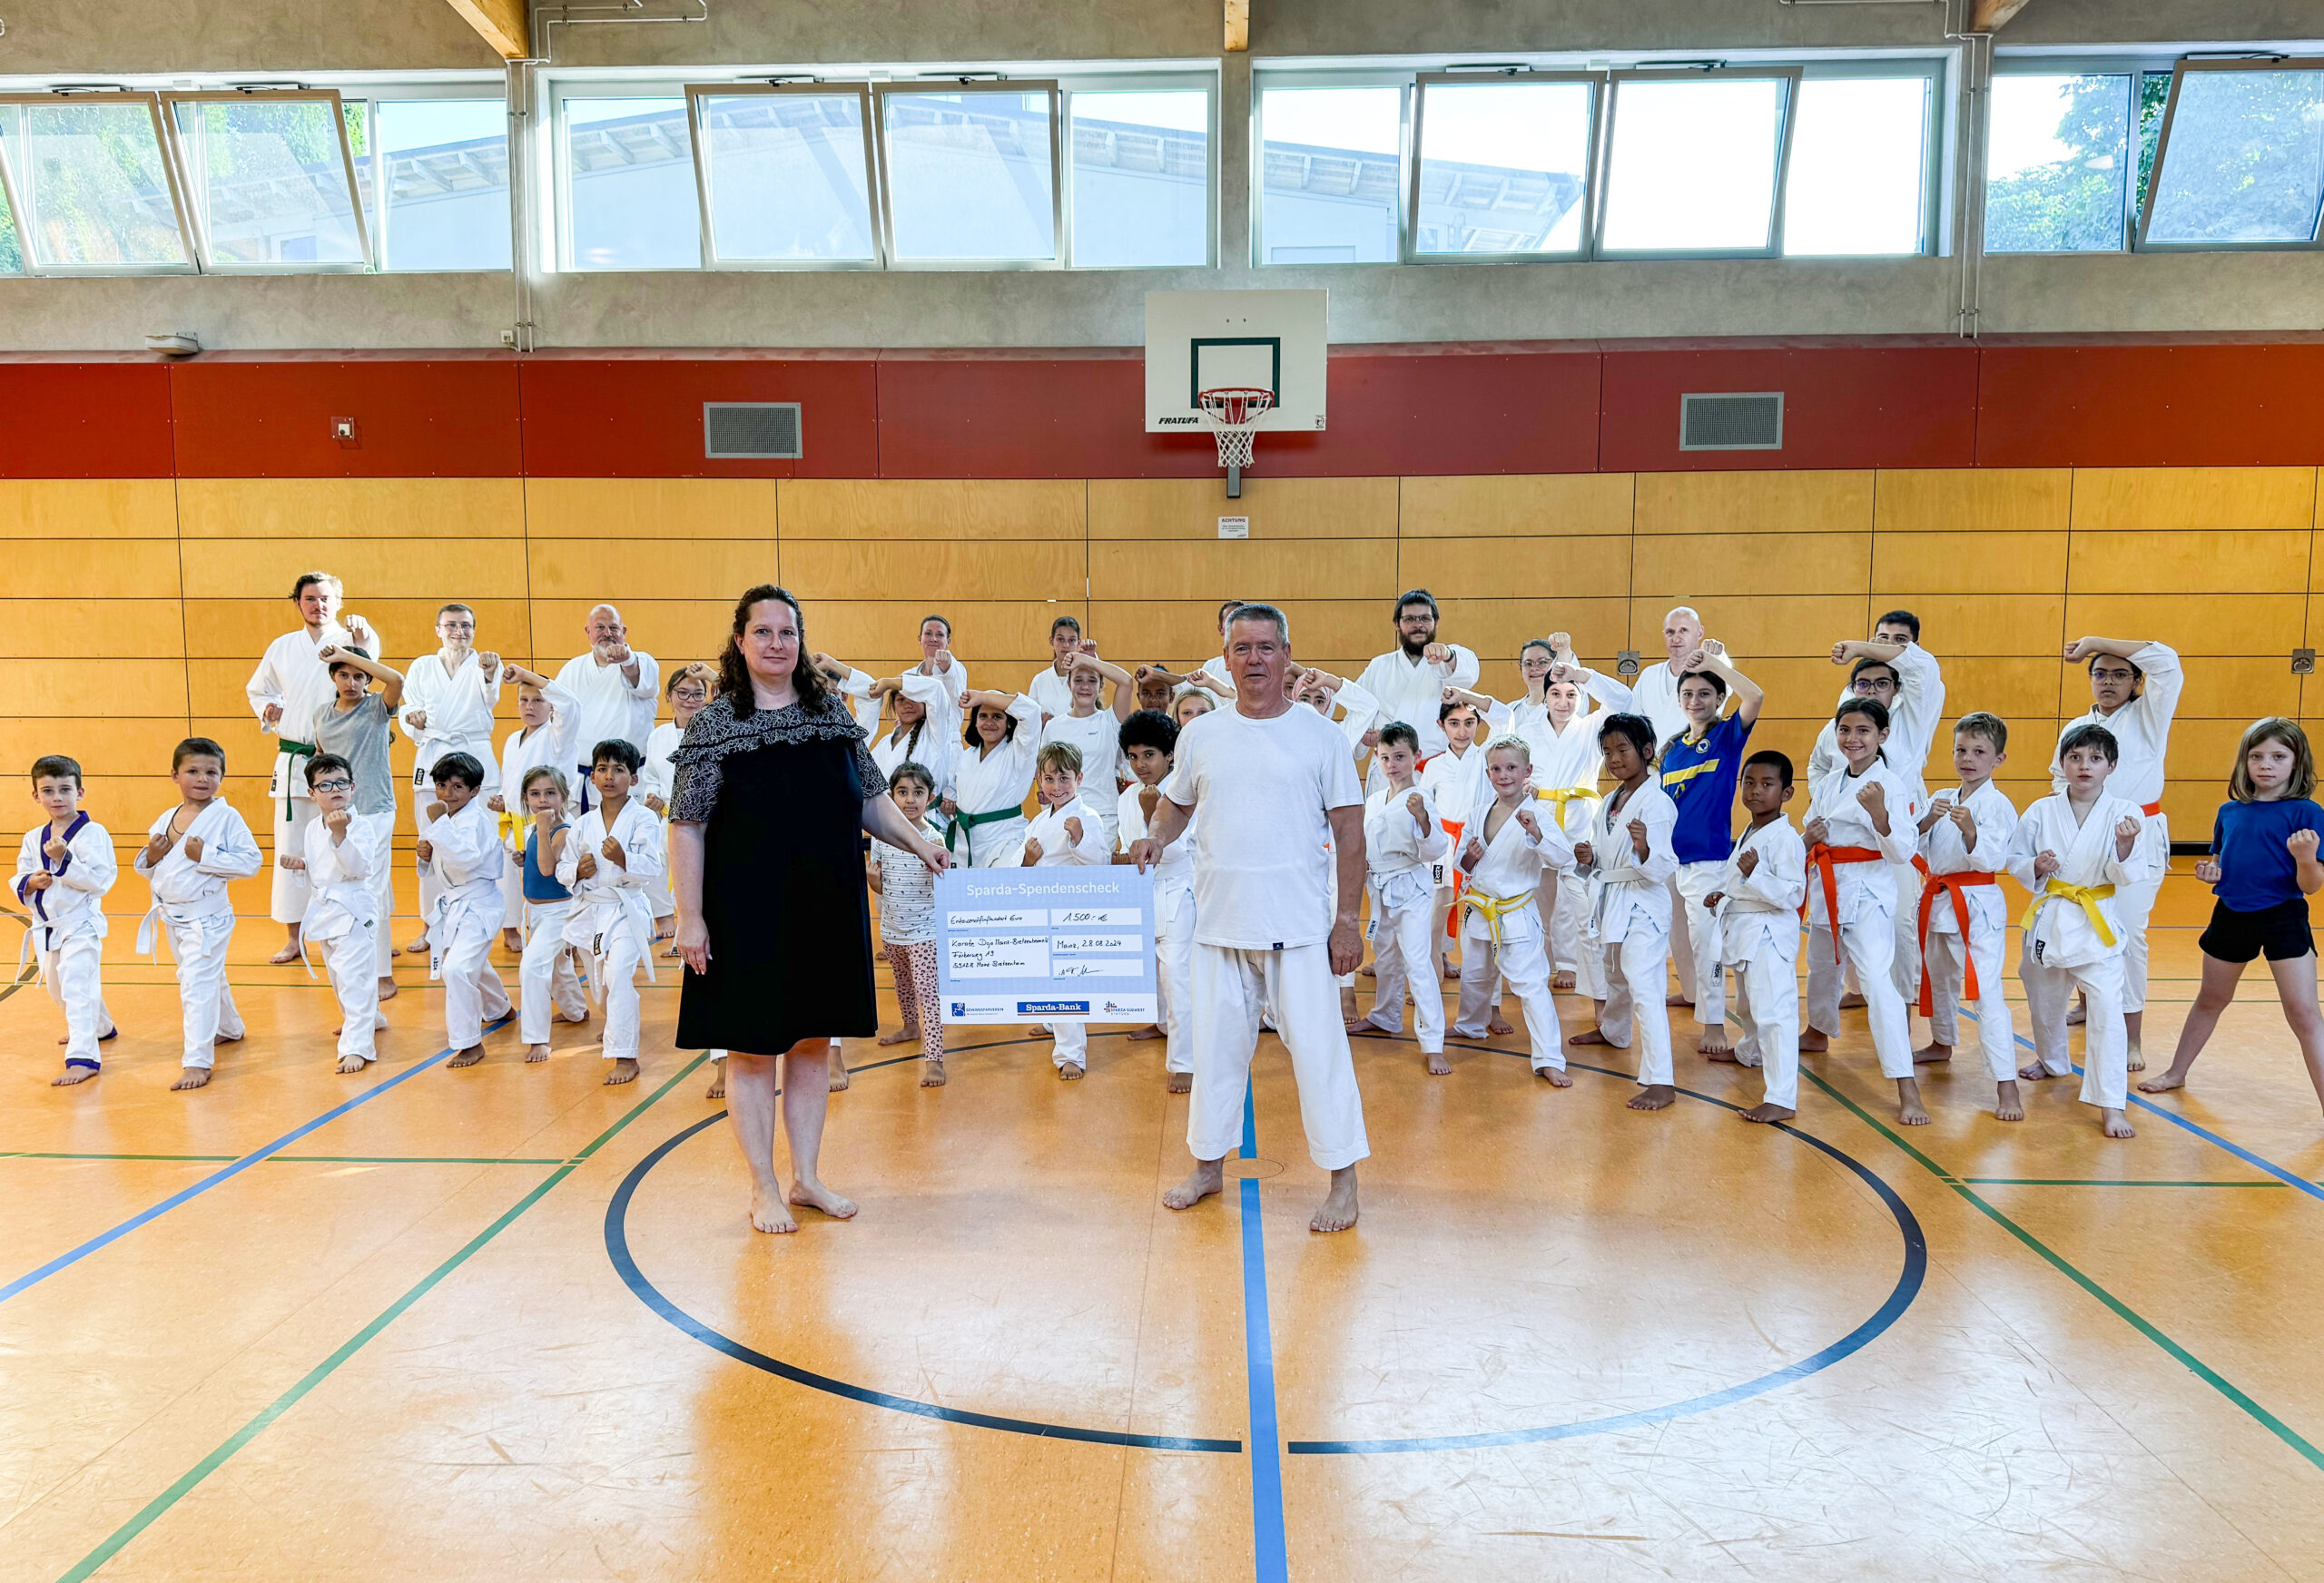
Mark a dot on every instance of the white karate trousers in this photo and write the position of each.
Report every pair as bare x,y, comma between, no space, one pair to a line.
355,981
1637,967
1519,960
200,945
546,981
462,935
1988,938
1298,986
1765,956
1701,965
72,968
1403,912
2107,1055
289,900
1174,943
1870,945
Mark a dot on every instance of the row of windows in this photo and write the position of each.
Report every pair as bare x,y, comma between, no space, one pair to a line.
1825,159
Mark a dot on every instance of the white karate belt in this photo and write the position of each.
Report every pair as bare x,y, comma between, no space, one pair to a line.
450,904
635,913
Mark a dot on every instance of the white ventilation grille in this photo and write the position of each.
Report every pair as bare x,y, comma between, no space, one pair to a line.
1733,422
751,431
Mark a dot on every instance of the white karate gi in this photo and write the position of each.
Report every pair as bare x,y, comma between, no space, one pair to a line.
468,860
1568,764
1052,692
1412,690
1655,694
1173,931
290,677
68,929
1059,851
610,706
2063,950
1912,732
546,981
457,706
343,918
189,902
1630,923
1944,952
930,750
1512,868
612,918
995,782
2142,730
1865,922
550,743
1400,863
1759,936
1097,736
1263,922
655,776
940,693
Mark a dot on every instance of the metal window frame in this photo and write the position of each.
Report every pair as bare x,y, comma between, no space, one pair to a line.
557,129
2130,71
1203,83
696,93
1789,76
1932,70
1265,82
152,103
2180,71
195,204
371,95
1409,226
881,91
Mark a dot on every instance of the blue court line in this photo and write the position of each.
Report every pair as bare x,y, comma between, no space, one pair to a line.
1271,1556
66,1260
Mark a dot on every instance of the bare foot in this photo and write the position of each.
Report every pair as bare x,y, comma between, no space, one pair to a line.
1365,1027
1337,1212
1851,1002
2115,1124
1812,1043
2007,1104
1931,1053
70,1076
1438,1067
2137,1062
1677,1001
1367,972
816,1195
418,946
768,1213
838,1078
350,1066
931,1073
717,1089
1654,1096
468,1057
1909,1109
1713,1045
1150,1031
2035,1071
535,1053
624,1070
1767,1112
900,1035
230,1038
560,1017
1499,1026
1590,1037
2170,1078
1563,983
512,940
192,1078
1182,1081
387,990
1206,1178
1451,972
286,956
1554,1077
1069,1073
2079,1015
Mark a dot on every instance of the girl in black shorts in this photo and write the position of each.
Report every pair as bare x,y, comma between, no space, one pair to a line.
2263,868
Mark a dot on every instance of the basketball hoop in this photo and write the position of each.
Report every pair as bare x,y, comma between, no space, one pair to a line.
1233,414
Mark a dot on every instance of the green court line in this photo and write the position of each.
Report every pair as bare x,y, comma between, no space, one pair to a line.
305,1159
2194,1366
281,1404
2101,1182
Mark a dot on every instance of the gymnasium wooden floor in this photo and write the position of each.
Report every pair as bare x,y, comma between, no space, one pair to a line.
509,1324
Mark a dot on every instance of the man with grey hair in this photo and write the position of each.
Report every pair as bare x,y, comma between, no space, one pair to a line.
619,688
1273,784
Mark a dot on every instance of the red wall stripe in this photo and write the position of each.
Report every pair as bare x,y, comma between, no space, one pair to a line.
413,419
85,420
2152,405
1885,407
641,417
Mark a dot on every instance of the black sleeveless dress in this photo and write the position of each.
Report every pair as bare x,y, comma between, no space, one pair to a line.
780,795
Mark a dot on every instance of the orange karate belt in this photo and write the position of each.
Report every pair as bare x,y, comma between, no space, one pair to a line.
1452,827
1931,886
1824,860
2151,808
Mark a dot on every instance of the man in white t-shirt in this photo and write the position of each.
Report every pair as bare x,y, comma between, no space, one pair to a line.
1274,784
619,688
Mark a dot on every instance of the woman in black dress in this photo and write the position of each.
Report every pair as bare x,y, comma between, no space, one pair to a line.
772,787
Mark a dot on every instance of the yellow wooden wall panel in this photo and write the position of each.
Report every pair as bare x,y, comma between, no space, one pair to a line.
2195,624
1973,500
673,631
2224,687
242,628
1518,569
1798,687
1945,563
103,744
116,688
646,568
1524,506
1783,625
148,629
1979,623
1362,568
2014,688
1189,509
295,508
2193,498
1694,568
1747,502
87,508
1180,633
861,631
134,568
2203,753
369,568
933,572
1496,628
2187,561
677,510
933,508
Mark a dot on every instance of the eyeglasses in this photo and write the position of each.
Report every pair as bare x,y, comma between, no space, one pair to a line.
2113,675
333,786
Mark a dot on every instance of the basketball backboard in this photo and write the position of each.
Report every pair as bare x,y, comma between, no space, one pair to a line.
1267,341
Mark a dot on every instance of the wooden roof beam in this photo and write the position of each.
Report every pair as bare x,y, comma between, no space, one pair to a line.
1985,16
503,24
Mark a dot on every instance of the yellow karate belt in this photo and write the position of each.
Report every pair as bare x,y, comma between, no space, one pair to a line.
2086,897
1494,907
512,829
1565,796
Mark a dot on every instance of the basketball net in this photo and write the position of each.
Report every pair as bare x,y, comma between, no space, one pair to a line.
1233,414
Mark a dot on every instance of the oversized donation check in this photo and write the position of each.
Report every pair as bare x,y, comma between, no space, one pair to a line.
1046,945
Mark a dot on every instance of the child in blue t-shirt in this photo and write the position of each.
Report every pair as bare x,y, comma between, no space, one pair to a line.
2263,868
1698,770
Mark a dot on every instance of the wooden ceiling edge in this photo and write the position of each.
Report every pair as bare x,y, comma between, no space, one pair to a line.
1991,16
1238,26
502,23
